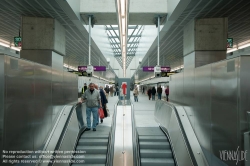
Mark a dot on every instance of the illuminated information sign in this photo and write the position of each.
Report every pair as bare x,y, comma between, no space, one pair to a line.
151,69
18,41
96,68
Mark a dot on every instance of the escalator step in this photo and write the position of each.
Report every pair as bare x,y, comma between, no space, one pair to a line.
94,137
96,142
156,153
93,149
154,145
148,138
157,162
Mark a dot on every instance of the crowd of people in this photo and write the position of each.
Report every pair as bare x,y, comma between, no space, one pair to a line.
97,98
151,92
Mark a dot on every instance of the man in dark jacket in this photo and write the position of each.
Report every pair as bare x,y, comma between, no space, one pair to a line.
149,93
167,92
159,91
107,91
153,93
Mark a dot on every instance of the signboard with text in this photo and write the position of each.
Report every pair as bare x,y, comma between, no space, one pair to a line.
96,68
79,73
167,74
151,69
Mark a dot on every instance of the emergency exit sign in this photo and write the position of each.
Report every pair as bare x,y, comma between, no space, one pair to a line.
18,41
230,42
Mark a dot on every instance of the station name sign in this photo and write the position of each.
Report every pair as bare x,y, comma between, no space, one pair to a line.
151,69
96,68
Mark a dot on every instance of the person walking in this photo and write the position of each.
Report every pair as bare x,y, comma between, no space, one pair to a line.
143,89
107,91
111,90
92,98
114,89
136,94
85,87
159,91
104,102
117,90
153,93
149,93
167,92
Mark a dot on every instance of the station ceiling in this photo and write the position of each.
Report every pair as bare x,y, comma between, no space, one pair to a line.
171,45
11,12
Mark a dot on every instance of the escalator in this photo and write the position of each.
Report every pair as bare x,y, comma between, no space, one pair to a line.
154,147
94,146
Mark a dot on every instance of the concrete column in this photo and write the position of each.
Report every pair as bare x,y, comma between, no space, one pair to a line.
43,41
205,41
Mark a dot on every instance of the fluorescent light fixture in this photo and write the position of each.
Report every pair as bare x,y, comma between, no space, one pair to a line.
70,67
5,45
15,48
232,50
122,9
244,46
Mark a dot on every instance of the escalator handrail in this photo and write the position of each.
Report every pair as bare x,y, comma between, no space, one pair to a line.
61,137
136,147
188,146
110,149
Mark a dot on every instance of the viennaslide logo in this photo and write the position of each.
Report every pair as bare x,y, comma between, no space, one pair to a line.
233,155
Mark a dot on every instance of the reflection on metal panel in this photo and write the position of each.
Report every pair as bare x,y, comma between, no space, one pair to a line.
244,97
123,144
224,109
221,101
202,118
188,85
19,105
2,85
42,116
31,95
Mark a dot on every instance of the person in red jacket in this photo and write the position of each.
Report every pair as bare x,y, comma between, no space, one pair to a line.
167,92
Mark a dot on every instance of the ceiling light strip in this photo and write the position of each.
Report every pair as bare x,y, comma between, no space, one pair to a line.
122,7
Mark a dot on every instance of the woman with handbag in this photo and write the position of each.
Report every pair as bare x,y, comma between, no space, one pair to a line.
104,102
136,93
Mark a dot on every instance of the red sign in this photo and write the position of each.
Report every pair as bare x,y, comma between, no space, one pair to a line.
124,88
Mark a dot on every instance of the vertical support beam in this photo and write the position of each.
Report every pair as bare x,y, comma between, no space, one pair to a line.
90,39
158,53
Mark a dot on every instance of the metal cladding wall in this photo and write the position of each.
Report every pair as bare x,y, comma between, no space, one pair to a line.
216,98
31,95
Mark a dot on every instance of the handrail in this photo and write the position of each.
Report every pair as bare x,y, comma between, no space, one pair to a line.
60,139
110,151
173,118
81,131
136,146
